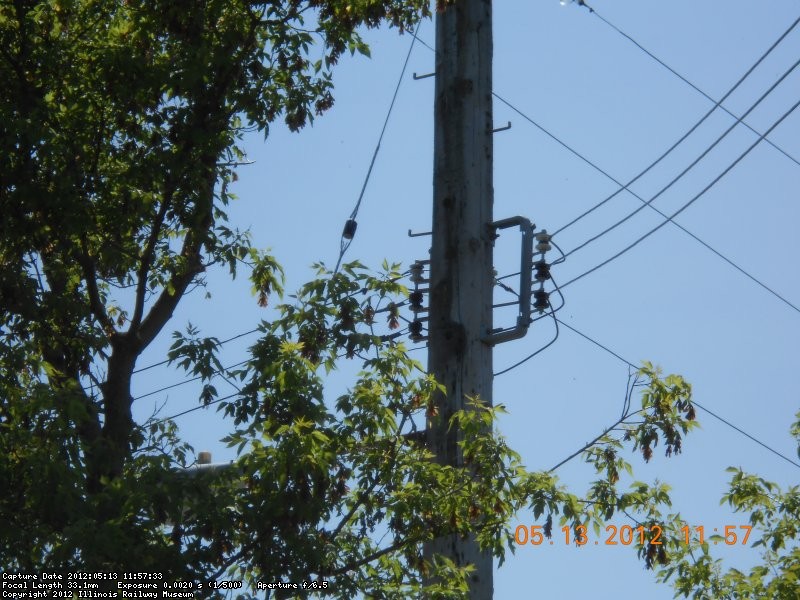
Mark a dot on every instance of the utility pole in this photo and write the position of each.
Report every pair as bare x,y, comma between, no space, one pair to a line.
461,268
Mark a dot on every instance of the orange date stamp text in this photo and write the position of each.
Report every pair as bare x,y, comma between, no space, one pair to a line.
625,535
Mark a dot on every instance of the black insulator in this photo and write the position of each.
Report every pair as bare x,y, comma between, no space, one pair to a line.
415,328
542,271
415,299
349,229
542,300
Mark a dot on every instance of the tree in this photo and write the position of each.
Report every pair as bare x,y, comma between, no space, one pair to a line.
119,138
342,491
118,144
349,488
773,515
120,124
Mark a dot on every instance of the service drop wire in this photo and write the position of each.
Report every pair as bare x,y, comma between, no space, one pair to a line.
557,290
530,356
551,313
690,202
222,343
345,243
691,165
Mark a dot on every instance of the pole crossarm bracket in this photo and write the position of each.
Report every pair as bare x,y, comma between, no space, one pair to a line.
500,335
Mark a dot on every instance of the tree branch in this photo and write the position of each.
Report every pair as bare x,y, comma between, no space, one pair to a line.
365,493
165,305
368,559
95,302
147,261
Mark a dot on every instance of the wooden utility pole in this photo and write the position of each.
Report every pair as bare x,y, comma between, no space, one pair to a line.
461,269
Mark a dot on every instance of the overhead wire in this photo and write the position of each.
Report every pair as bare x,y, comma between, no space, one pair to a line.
689,83
694,402
623,186
552,312
347,240
555,262
687,204
214,373
718,104
532,354
238,392
195,408
638,197
691,165
255,330
222,343
220,372
345,244
558,291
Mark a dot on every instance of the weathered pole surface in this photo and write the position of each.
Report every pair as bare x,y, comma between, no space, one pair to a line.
461,270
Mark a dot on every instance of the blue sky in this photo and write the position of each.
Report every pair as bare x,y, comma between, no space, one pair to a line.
668,300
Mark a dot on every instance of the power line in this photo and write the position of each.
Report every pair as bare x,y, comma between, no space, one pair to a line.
423,42
634,194
191,410
689,203
744,433
625,187
222,370
596,343
689,83
690,166
251,331
350,225
583,335
683,137
186,381
530,356
222,343
556,139
228,397
694,402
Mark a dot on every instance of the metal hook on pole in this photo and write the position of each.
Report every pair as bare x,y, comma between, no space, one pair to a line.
418,77
507,126
420,234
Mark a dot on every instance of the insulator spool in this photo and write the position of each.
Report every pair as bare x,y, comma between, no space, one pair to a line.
544,241
415,299
416,272
542,300
349,229
415,328
542,271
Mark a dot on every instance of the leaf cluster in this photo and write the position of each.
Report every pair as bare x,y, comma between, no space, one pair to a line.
346,490
774,515
120,132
